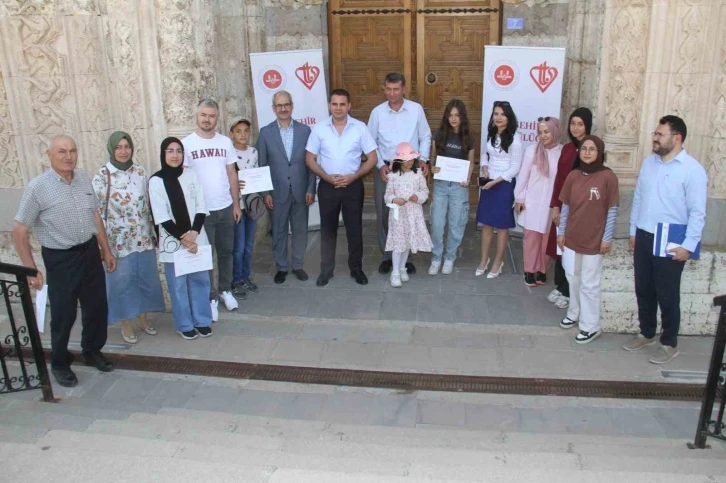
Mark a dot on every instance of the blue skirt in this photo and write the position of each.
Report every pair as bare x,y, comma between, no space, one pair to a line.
496,206
134,287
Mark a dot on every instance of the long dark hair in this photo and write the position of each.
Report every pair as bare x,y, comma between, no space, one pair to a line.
507,136
397,165
445,130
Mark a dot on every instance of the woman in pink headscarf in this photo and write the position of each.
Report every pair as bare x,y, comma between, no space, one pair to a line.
532,196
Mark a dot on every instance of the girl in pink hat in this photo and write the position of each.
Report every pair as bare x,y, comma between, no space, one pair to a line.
406,191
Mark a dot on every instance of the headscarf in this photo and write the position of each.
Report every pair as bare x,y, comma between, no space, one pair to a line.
111,146
586,115
599,163
541,161
170,176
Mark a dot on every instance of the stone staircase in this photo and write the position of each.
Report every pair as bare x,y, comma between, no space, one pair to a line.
81,439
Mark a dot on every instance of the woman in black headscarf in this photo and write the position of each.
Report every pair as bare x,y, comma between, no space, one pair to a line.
177,202
579,126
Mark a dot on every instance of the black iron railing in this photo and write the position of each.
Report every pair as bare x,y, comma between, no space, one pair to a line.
707,426
22,373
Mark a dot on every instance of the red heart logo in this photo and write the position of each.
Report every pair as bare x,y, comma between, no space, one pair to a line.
543,75
308,75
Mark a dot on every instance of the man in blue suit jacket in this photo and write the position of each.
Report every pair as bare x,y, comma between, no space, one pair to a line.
281,146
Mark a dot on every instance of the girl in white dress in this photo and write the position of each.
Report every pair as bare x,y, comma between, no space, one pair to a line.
406,191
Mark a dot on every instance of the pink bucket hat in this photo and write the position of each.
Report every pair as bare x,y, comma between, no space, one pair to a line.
405,152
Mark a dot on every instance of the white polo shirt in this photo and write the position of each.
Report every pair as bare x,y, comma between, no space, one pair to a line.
340,153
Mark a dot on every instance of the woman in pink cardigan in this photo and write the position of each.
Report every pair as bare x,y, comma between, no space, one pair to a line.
532,196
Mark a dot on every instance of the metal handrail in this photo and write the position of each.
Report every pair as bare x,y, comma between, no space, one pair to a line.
15,343
708,427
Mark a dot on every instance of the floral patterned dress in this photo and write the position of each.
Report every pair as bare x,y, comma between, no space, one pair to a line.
409,232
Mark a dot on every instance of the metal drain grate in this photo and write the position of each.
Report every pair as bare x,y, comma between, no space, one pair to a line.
410,382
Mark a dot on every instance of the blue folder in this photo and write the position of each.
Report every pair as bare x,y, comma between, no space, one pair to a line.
666,233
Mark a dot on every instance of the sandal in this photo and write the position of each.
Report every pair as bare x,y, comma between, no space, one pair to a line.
149,329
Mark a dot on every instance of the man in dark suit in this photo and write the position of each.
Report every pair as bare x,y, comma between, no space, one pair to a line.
281,146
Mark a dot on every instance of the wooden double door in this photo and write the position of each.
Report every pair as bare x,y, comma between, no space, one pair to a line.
437,44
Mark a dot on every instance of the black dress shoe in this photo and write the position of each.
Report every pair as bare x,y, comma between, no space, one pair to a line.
98,361
300,274
410,268
385,267
280,277
65,377
322,281
360,277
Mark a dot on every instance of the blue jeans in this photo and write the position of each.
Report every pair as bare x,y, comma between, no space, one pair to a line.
189,299
450,206
244,240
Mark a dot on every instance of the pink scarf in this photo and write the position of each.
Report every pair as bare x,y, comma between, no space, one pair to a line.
541,161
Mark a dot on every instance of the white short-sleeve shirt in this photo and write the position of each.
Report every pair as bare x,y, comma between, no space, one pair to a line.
340,153
209,159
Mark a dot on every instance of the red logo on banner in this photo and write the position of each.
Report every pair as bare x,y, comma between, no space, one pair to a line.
543,75
308,75
272,79
504,75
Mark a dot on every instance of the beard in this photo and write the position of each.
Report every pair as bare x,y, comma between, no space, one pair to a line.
662,149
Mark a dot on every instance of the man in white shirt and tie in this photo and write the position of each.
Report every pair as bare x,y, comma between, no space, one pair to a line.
395,121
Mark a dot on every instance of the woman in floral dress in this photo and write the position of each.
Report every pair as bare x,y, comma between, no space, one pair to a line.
133,289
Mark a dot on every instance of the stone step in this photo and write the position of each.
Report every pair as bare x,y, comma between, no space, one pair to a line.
36,464
13,433
71,407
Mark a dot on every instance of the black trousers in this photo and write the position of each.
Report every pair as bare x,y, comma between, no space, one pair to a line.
75,275
561,282
332,200
657,283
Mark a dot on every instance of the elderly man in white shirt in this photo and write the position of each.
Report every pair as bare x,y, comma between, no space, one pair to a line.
395,121
337,143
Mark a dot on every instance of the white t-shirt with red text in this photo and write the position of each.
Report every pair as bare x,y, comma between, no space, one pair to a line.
209,159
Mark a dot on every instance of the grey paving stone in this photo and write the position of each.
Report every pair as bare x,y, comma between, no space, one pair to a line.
550,342
298,351
399,306
347,407
132,388
102,384
301,406
245,348
47,421
677,422
420,283
538,311
635,422
441,413
540,420
353,353
344,333
269,329
466,361
518,341
257,403
541,363
451,284
408,357
393,410
491,417
213,398
506,309
435,308
11,433
587,420
172,393
695,345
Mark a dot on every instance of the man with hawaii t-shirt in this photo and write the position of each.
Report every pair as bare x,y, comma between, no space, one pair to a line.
213,157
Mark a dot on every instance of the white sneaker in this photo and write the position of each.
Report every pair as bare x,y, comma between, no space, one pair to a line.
229,301
396,280
448,267
435,266
553,296
404,275
215,310
562,302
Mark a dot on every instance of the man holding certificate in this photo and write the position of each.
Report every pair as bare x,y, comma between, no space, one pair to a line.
671,189
281,147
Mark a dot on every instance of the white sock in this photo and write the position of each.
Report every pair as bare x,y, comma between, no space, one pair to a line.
396,258
402,263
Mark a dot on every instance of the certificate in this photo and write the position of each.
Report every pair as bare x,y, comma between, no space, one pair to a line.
452,169
256,180
187,262
41,297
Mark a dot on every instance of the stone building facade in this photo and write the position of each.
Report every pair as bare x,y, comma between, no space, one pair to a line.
90,67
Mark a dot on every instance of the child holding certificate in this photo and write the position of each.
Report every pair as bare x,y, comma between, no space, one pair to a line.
177,204
450,205
406,191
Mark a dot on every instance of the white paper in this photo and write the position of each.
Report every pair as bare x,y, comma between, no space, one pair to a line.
568,261
187,262
41,297
394,207
559,250
452,169
672,246
256,180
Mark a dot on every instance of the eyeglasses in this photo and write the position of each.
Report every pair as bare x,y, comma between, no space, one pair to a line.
502,104
283,106
540,119
658,135
588,150
174,151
